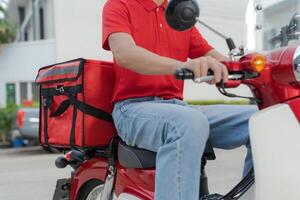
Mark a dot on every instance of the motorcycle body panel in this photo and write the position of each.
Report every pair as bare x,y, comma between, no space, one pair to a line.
95,168
130,183
275,136
277,83
137,182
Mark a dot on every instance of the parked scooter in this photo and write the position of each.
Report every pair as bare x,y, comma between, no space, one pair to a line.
122,172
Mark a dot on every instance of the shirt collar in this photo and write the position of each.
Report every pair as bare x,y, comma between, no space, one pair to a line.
150,5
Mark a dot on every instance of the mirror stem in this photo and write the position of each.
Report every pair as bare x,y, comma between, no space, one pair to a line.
212,29
229,41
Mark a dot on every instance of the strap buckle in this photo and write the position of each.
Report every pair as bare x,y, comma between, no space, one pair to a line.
60,88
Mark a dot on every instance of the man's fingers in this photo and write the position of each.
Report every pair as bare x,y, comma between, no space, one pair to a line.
225,73
197,69
201,66
216,69
204,65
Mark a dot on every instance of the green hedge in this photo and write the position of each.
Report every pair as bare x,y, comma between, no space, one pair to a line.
6,121
7,31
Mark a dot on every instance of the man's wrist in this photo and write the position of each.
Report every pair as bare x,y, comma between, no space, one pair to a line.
186,64
177,65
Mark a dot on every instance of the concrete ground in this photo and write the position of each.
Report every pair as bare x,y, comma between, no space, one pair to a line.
30,173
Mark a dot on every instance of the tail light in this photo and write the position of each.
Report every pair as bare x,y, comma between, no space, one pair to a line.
20,118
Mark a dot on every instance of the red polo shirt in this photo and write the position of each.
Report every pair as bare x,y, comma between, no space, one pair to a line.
145,22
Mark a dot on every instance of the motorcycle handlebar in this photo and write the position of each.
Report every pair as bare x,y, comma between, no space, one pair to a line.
183,74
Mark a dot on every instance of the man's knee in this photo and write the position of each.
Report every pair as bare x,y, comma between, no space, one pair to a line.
193,127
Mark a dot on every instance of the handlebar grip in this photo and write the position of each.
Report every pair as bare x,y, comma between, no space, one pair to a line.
183,74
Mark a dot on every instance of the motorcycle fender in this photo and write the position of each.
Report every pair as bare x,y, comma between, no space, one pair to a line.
275,140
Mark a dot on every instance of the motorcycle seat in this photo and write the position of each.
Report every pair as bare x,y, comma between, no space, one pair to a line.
133,157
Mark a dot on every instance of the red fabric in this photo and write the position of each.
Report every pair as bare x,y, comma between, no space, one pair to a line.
145,22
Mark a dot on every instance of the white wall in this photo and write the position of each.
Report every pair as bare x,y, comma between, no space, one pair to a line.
78,29
20,62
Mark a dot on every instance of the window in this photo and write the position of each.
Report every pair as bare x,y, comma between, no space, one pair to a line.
10,93
23,91
35,92
22,15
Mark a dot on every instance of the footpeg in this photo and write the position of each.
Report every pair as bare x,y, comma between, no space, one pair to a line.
212,197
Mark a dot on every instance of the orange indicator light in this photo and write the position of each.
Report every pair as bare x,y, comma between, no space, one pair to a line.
258,63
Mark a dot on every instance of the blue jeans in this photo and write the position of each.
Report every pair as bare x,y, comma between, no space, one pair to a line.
178,133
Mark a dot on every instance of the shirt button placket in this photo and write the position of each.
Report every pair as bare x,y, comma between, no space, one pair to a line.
161,31
159,25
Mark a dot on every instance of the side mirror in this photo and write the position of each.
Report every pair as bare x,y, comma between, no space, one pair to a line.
294,25
182,14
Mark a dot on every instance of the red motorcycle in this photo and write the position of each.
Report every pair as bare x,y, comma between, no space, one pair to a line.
122,172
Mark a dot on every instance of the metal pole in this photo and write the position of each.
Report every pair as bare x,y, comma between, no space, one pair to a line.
36,20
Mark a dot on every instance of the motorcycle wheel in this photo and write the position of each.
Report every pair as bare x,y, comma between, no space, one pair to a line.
91,190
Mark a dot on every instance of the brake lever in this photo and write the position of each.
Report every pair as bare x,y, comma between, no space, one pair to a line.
222,90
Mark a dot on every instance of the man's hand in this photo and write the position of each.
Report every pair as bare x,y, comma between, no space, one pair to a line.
200,67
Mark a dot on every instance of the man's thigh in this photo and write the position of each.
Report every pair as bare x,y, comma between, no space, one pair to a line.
228,124
151,124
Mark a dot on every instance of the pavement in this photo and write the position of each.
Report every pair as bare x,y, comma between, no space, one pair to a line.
30,173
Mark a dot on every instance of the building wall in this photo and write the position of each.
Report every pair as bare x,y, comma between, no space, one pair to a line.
20,62
275,17
78,29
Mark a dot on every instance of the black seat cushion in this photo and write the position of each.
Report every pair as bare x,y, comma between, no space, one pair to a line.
133,157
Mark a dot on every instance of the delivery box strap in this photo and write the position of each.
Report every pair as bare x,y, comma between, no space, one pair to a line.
85,108
61,109
90,110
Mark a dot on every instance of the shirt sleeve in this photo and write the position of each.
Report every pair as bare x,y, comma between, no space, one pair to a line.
115,18
198,45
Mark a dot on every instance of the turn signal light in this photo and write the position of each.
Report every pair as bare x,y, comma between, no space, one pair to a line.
258,63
